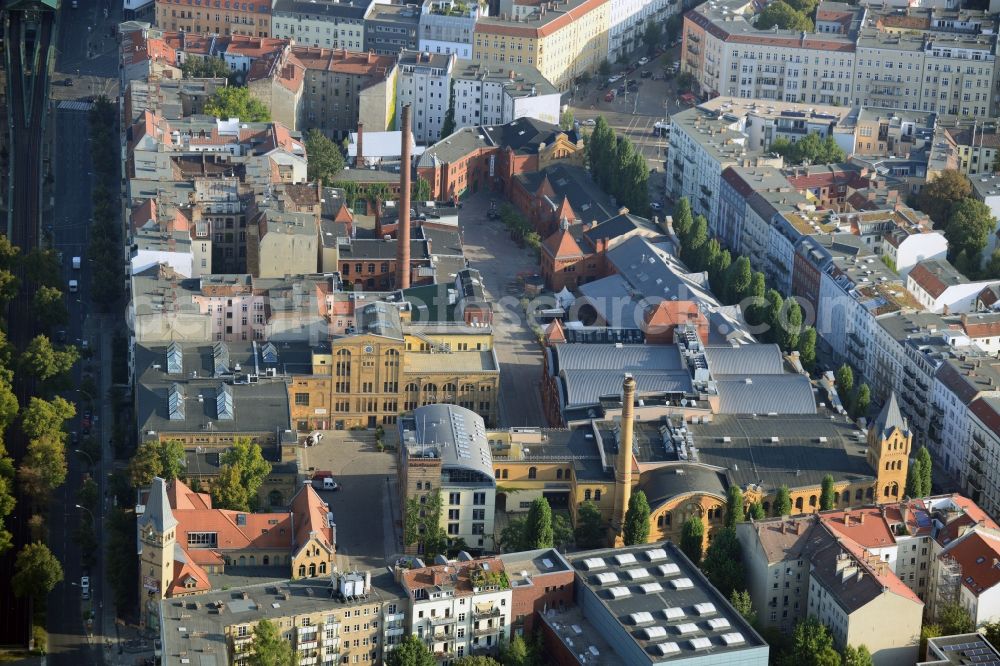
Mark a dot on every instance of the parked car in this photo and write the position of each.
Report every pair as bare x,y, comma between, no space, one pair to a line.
646,74
589,122
610,96
633,85
614,79
621,90
656,205
85,587
643,60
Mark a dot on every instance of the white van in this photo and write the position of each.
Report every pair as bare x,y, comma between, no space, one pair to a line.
76,263
74,286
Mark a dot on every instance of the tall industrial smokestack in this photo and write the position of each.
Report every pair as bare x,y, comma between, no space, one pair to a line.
623,461
359,160
403,235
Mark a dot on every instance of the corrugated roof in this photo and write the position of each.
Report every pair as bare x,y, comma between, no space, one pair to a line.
745,360
765,394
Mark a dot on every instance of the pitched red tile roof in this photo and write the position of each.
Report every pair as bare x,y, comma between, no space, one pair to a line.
866,526
978,555
554,332
561,244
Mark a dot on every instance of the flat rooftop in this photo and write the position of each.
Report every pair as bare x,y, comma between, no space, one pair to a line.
650,600
459,361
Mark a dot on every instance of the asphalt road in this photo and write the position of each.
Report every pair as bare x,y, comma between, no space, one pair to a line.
78,54
490,250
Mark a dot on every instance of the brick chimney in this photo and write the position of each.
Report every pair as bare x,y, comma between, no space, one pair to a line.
359,160
403,234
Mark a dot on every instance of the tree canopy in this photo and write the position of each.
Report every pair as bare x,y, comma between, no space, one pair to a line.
693,538
938,196
269,648
237,102
247,458
827,495
734,506
155,458
723,564
590,528
970,223
810,149
539,526
636,527
783,16
782,502
36,571
325,158
411,651
812,645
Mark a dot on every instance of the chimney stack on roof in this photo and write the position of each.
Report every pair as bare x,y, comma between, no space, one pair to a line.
359,160
403,235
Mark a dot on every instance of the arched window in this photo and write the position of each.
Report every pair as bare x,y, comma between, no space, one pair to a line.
532,472
597,495
887,490
586,495
322,568
411,388
847,497
812,500
496,473
449,389
505,474
275,498
859,495
666,519
798,504
659,520
266,561
870,493
302,571
253,561
342,363
391,358
566,473
312,570
243,560
559,473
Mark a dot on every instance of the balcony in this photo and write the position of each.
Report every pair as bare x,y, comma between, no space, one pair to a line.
909,385
856,339
308,645
978,441
977,453
485,631
975,482
693,49
441,621
976,467
493,612
678,164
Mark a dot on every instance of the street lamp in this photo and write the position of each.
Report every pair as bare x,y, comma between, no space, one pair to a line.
89,457
80,506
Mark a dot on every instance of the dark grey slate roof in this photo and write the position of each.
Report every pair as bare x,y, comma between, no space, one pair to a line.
158,514
890,417
619,225
807,447
665,483
765,394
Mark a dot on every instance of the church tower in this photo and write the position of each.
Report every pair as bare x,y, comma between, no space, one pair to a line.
623,461
889,442
157,539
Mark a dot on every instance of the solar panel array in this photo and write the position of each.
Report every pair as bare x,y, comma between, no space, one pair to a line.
974,653
670,630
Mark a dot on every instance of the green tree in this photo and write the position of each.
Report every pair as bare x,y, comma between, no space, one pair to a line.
155,458
562,531
782,503
566,120
827,495
718,268
48,307
228,491
44,362
539,532
205,68
698,236
857,656
682,218
448,127
723,564
46,417
518,652
739,281
807,348
673,27
652,35
773,318
325,159
844,381
246,456
734,506
862,401
43,467
969,225
780,14
590,528
790,326
42,266
991,631
36,571
740,599
757,511
693,538
636,527
812,645
953,618
991,271
926,471
269,648
938,196
476,660
914,479
234,102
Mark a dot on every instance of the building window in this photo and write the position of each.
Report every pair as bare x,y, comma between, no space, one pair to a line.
302,399
532,472
454,498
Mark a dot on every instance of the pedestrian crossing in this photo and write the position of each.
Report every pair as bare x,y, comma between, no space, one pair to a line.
75,106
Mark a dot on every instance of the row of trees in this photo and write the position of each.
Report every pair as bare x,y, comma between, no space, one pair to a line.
618,168
856,400
965,221
519,227
779,321
105,244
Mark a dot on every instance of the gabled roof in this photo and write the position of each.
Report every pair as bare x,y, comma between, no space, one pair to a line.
891,418
978,555
562,244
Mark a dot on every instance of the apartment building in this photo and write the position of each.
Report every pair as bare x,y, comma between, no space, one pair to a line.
459,608
350,617
391,28
628,21
939,287
497,95
562,40
424,83
342,87
976,148
540,579
447,26
803,567
446,449
939,64
330,24
224,18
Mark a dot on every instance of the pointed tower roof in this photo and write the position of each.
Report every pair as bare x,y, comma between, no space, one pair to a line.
565,211
554,332
890,417
545,188
158,513
562,244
